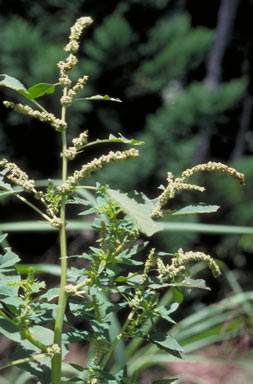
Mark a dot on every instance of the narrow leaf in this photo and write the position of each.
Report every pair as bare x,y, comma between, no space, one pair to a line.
99,97
115,139
198,208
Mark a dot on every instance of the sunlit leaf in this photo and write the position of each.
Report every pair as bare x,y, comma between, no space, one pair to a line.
198,208
99,97
12,83
40,89
33,92
138,212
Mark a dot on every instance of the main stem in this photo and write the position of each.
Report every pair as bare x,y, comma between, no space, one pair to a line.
57,359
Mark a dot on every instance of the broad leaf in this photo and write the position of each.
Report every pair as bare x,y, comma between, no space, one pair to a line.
9,259
164,312
198,208
9,330
12,83
33,92
40,89
164,341
99,97
138,212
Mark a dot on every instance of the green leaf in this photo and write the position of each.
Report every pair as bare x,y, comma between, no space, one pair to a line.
191,283
12,83
138,212
33,92
164,312
40,89
2,237
99,97
164,341
9,330
115,139
193,209
9,259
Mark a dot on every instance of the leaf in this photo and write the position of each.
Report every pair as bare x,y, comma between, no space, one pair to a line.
12,83
9,259
99,97
138,212
31,93
40,89
164,341
192,283
193,209
115,139
9,330
2,237
164,312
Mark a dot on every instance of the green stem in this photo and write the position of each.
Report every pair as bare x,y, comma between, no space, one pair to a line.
38,105
62,301
117,339
25,334
34,207
25,360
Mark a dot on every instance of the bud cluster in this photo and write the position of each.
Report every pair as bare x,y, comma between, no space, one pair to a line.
78,143
181,184
68,99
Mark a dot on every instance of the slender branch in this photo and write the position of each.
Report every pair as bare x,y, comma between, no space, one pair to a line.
24,200
25,360
38,105
117,339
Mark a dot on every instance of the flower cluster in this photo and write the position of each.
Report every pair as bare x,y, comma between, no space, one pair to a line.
78,143
58,124
181,184
150,262
75,33
94,166
212,166
179,262
65,67
17,176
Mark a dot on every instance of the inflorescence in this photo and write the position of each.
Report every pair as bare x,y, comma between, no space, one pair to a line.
178,264
181,184
94,166
58,124
78,143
